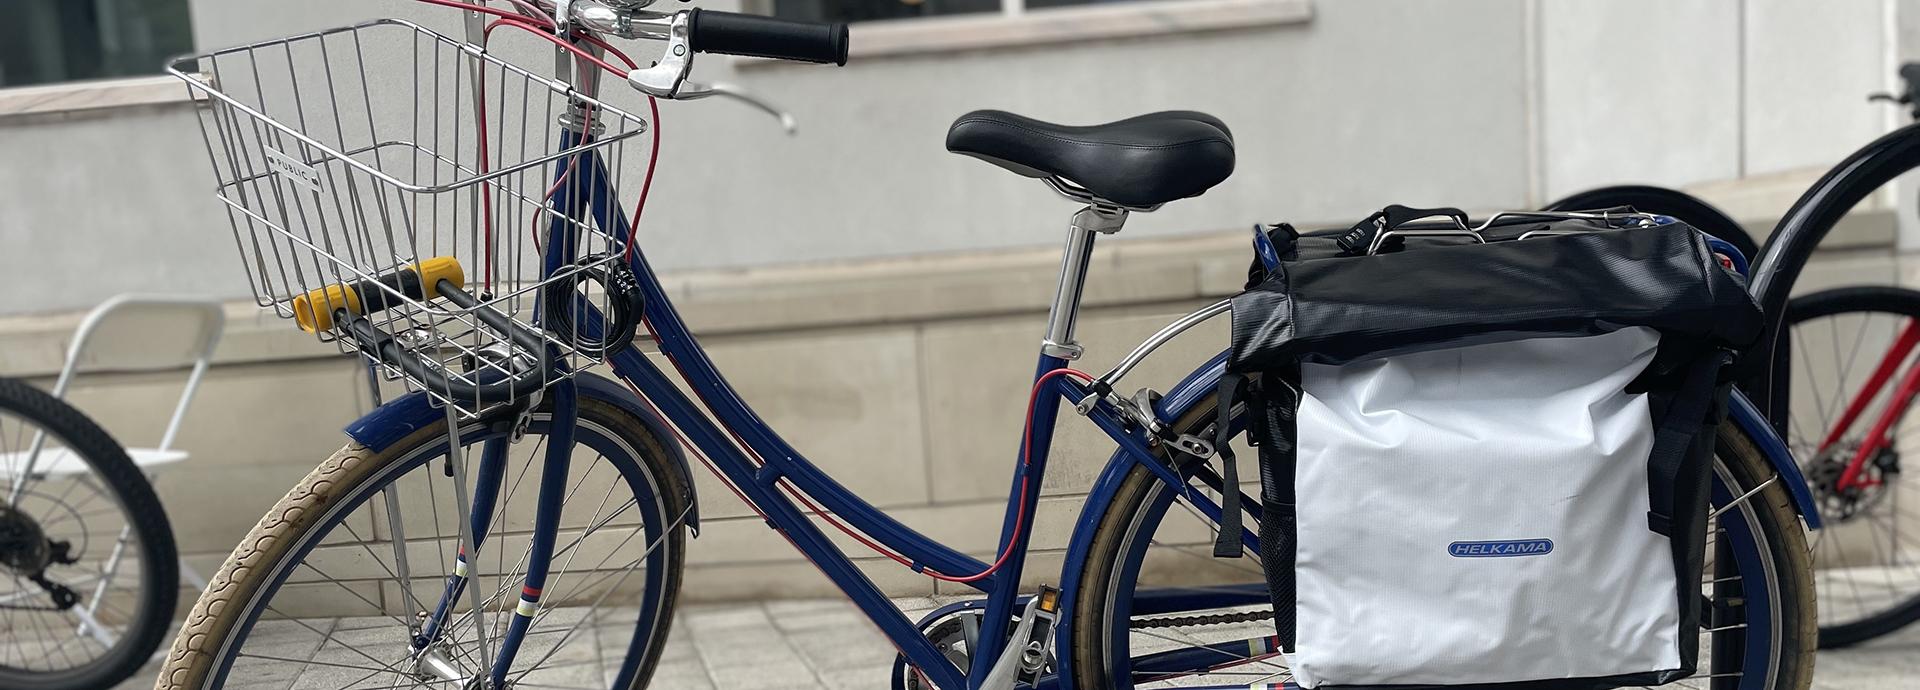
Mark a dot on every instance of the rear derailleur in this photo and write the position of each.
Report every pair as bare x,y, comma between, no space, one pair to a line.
26,551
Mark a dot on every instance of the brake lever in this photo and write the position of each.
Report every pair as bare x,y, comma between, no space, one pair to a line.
668,77
690,91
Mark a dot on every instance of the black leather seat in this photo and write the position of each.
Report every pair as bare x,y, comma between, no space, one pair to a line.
1140,161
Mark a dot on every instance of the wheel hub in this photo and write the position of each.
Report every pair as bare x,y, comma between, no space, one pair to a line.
1877,478
23,545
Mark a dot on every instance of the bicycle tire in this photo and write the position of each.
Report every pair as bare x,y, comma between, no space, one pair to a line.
1787,549
159,586
1869,299
237,586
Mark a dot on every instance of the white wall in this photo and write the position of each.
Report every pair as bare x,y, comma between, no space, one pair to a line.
1482,104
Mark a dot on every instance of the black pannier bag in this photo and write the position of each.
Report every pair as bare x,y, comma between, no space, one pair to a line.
1485,454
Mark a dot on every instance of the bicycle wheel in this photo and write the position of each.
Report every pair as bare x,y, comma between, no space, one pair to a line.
1867,558
88,556
333,585
1136,624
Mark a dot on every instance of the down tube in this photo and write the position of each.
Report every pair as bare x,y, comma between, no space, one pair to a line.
783,517
787,463
760,485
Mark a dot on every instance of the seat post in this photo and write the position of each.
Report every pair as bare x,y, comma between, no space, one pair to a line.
1073,275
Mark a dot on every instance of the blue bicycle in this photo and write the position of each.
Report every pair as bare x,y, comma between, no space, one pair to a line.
519,521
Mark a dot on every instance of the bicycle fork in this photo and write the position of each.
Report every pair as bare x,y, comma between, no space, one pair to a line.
430,659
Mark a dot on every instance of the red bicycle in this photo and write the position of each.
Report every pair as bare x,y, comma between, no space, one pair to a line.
1844,376
1855,377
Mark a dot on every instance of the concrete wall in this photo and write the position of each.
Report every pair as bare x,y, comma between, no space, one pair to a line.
879,300
901,378
1483,105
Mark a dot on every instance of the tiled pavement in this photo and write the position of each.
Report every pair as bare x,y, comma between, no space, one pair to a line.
827,645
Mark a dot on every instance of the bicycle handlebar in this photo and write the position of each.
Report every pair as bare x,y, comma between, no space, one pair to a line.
732,33
1910,76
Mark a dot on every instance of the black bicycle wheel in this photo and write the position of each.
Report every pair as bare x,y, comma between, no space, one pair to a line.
90,568
1867,578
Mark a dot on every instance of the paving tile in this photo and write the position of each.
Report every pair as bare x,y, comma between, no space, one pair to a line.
806,644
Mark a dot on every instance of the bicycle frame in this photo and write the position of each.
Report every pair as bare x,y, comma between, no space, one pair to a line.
746,452
763,467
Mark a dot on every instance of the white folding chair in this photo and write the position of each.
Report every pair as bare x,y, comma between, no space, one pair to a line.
138,333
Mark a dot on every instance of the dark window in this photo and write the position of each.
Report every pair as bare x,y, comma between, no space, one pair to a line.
44,41
863,10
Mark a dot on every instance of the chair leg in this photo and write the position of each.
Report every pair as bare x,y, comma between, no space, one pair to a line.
89,625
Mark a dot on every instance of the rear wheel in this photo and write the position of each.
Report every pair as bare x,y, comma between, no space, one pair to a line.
1867,556
1128,633
88,574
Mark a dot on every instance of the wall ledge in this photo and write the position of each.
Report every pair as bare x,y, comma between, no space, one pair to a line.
1172,272
93,95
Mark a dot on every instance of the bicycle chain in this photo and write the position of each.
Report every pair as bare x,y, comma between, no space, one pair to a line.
1207,619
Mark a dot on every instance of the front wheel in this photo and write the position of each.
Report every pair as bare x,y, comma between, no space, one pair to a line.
348,582
1155,609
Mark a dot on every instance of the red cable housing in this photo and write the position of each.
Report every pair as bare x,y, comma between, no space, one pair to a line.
1020,525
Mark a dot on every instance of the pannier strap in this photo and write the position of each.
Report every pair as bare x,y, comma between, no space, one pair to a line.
1227,542
1278,434
1682,422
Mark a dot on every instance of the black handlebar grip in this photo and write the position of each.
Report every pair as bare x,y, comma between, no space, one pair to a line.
754,35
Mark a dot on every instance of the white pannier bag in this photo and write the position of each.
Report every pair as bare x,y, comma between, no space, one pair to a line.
1460,507
1485,453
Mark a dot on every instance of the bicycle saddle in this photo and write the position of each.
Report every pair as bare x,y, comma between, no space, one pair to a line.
1140,161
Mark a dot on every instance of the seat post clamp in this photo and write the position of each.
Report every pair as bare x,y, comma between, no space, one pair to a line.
1067,351
1105,220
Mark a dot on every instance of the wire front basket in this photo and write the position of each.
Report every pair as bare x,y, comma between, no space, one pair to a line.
363,166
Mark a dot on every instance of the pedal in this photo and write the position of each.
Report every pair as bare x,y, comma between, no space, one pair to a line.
1025,656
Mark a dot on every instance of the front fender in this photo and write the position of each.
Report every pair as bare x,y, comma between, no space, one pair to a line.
402,416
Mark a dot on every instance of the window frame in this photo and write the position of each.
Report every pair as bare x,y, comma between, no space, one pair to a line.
1018,26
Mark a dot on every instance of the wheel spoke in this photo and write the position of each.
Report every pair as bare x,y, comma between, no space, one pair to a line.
590,585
